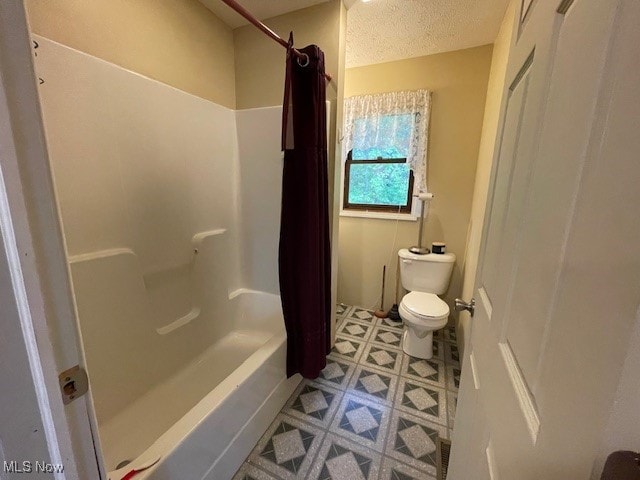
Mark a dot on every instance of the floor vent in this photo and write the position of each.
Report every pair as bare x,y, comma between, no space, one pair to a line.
444,449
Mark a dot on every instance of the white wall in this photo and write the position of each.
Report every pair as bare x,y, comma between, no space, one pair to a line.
153,165
22,434
141,171
260,195
261,163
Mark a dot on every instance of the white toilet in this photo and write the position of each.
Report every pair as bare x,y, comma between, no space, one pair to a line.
421,310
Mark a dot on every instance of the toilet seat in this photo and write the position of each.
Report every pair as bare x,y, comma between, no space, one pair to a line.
422,314
425,307
420,322
424,310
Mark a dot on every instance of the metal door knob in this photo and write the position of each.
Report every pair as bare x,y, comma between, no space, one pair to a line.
462,305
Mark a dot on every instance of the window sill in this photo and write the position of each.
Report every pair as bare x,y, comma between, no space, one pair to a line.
408,217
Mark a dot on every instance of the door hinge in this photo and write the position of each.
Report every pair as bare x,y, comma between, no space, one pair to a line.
74,383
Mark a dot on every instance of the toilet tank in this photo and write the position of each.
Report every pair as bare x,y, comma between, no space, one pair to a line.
426,273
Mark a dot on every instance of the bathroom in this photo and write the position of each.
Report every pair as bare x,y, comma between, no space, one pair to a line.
162,128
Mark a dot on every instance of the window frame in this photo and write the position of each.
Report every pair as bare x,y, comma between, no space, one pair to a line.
346,205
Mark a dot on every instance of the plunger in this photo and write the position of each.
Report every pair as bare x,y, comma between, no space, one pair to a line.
394,314
381,313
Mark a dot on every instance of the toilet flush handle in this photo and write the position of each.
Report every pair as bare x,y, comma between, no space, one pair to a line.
462,305
406,261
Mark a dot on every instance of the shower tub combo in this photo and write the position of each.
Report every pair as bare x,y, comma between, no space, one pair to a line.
170,209
196,393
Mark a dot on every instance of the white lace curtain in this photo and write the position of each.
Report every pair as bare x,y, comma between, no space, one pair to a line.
395,123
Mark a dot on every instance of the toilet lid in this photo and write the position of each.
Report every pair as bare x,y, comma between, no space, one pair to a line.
425,304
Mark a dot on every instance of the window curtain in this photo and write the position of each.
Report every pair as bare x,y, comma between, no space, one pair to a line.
390,124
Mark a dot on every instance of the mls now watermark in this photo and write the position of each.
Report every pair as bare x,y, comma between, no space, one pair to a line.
32,467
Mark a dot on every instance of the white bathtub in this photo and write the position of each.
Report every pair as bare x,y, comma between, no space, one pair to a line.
207,417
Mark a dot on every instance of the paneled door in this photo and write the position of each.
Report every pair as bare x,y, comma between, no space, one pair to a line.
558,280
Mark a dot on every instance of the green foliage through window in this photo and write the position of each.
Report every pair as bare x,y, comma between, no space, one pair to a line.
383,136
378,183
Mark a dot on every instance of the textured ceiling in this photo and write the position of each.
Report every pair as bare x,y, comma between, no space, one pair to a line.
386,30
260,9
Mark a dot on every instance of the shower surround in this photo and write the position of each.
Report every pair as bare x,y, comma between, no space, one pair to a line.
170,207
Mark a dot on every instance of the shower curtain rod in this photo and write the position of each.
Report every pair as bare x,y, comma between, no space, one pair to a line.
266,30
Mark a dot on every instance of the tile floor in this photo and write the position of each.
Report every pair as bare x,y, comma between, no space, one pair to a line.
374,413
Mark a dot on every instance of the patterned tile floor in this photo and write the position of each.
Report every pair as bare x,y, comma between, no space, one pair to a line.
374,413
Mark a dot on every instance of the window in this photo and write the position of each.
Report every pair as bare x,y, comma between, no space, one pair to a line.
377,174
384,150
382,184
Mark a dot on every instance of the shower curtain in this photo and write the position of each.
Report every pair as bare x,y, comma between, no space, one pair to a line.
304,255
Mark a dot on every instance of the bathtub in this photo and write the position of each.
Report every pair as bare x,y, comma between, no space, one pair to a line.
208,435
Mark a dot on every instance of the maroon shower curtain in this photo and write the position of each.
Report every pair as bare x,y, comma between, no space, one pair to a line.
304,256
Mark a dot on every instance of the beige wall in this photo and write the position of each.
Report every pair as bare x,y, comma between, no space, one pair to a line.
458,81
490,126
260,62
178,42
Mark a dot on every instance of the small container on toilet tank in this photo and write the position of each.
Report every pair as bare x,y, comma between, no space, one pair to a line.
439,248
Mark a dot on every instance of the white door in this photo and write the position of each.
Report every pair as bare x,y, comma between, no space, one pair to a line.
558,282
38,329
22,435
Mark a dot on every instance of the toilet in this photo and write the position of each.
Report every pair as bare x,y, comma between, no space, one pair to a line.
421,310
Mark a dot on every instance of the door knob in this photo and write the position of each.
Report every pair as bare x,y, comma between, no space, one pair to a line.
462,305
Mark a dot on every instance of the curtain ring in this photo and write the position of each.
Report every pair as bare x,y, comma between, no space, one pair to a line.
306,60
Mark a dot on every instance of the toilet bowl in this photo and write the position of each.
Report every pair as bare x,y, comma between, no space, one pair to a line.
422,313
421,310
